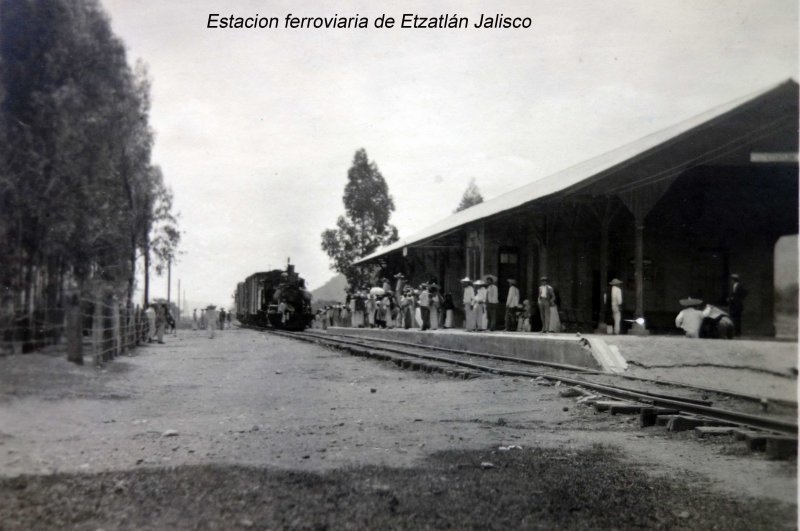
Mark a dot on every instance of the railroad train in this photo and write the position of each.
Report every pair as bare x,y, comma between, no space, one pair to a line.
277,299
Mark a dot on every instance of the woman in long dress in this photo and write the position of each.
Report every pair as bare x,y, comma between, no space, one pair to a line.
448,310
435,307
371,310
555,320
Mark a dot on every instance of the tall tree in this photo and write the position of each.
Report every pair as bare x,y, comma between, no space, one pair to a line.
472,196
78,193
365,225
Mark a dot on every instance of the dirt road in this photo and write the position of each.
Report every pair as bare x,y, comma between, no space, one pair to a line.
256,409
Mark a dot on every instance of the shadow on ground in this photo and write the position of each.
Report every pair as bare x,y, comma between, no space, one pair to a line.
492,489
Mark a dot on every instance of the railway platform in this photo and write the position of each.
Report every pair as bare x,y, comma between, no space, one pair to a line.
763,368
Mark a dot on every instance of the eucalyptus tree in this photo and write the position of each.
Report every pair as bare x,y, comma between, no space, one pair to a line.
365,225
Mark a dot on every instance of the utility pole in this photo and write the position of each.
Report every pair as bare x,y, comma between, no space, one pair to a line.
169,278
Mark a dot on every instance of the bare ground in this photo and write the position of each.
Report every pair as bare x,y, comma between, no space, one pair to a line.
275,434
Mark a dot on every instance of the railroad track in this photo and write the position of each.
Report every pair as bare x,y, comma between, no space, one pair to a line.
677,411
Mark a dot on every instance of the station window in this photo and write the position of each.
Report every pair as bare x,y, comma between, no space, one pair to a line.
508,258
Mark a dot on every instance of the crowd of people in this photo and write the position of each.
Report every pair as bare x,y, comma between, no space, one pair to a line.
699,319
210,319
159,320
425,307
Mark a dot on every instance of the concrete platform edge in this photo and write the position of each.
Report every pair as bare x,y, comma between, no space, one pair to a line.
561,349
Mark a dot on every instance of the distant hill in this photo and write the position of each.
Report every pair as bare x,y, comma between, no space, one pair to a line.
332,290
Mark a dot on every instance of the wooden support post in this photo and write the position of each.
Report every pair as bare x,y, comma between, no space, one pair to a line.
605,223
639,327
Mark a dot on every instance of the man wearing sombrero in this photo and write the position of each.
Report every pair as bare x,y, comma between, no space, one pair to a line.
512,304
616,303
690,319
469,294
546,299
492,300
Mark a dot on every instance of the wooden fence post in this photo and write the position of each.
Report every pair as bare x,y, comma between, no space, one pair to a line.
74,329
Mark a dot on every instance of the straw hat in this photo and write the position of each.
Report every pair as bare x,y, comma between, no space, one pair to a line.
466,280
690,301
491,277
511,281
615,282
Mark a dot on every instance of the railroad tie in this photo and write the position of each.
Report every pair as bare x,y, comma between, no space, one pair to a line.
615,406
648,416
685,422
781,447
706,431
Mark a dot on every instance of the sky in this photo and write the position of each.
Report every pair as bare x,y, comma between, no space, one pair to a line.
256,128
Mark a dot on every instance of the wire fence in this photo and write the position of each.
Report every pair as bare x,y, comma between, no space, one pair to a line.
100,328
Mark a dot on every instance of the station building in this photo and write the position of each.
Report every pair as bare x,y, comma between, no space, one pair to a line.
672,214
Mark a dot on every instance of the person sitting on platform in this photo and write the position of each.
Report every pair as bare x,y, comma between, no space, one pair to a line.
716,324
690,319
524,320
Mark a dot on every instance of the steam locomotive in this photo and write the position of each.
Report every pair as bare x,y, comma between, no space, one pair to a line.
278,299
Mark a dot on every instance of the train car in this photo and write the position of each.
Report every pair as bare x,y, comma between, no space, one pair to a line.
276,298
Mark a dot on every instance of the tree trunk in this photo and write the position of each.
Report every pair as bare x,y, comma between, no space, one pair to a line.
147,274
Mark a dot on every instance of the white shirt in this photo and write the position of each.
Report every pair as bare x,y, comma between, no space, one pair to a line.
491,294
469,293
480,297
690,320
424,299
616,296
513,297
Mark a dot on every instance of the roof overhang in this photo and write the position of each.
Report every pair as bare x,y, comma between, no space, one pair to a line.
723,134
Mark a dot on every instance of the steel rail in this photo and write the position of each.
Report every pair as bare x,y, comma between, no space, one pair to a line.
681,404
734,394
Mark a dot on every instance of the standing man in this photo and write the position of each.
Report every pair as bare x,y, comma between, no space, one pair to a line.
161,321
425,307
469,293
222,319
194,319
616,303
492,300
736,302
479,305
150,314
211,317
512,302
399,287
546,298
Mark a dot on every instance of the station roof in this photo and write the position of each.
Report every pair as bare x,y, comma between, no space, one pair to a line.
706,137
